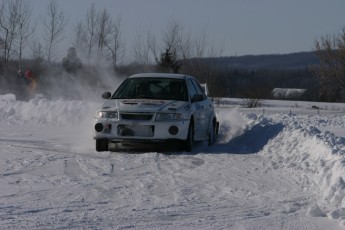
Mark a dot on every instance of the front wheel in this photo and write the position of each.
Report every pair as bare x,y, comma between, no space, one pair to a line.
101,145
188,144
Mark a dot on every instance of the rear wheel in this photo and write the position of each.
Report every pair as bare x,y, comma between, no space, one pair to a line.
188,144
101,145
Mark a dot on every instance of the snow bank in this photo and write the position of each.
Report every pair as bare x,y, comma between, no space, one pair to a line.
41,111
303,145
314,158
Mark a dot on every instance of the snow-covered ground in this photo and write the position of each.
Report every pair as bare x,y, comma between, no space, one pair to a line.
279,166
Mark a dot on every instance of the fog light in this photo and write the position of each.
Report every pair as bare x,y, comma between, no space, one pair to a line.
99,127
173,130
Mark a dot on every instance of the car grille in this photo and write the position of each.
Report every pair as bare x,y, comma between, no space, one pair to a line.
137,116
136,131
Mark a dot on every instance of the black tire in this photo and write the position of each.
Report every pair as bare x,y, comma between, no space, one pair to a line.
212,135
188,144
101,145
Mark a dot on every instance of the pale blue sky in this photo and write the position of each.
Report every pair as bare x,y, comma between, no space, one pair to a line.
239,26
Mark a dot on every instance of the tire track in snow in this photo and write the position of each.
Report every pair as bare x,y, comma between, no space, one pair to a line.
174,190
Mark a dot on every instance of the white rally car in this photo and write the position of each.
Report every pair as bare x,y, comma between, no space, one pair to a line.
156,108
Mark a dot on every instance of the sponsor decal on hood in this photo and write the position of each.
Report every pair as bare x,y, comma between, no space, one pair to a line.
144,102
143,105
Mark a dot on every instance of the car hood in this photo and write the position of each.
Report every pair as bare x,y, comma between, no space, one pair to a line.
144,105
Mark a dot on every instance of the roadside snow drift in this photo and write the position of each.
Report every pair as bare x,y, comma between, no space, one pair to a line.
306,149
41,111
314,158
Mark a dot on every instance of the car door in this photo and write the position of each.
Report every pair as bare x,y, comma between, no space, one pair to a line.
196,108
205,110
199,108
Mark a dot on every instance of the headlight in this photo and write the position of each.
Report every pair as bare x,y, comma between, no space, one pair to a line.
169,116
107,114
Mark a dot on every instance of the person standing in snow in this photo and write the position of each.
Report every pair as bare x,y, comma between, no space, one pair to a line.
22,85
20,74
71,62
31,82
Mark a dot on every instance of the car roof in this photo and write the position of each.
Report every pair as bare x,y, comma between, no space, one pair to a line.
160,75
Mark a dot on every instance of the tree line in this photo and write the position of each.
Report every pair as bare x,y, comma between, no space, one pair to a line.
98,49
96,43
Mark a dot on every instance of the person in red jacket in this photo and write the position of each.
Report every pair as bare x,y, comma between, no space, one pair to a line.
31,81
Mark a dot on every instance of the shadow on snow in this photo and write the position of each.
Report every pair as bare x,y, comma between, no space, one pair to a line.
250,142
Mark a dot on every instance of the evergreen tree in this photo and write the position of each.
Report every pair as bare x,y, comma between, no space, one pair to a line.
168,62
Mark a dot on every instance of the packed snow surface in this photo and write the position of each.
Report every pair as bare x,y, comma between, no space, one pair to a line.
279,166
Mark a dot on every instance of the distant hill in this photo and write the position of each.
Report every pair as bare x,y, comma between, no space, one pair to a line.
291,61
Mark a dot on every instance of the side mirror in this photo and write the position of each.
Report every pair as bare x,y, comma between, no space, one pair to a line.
197,97
106,95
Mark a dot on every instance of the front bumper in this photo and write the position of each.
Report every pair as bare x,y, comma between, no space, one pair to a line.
148,131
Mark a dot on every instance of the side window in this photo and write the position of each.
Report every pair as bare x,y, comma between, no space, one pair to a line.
198,89
191,88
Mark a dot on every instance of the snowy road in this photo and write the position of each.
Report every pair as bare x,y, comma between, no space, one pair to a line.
45,184
271,172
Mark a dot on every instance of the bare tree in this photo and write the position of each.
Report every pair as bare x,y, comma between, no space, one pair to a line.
114,43
104,28
145,49
152,45
79,39
25,27
9,15
2,45
331,70
90,33
211,76
37,51
193,49
192,52
185,46
180,47
200,45
53,27
100,37
140,50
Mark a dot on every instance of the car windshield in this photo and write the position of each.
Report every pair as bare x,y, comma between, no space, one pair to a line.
152,88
